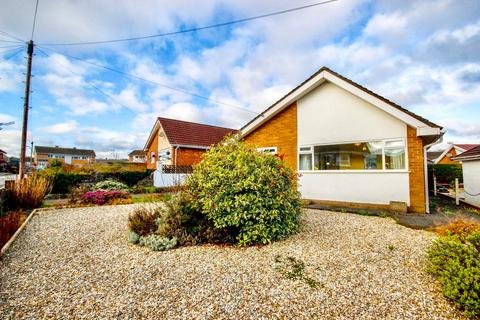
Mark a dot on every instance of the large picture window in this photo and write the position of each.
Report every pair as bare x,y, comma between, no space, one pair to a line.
372,155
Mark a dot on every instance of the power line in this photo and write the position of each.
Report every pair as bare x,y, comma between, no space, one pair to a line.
13,55
223,24
9,46
9,41
34,19
155,82
87,82
12,49
12,36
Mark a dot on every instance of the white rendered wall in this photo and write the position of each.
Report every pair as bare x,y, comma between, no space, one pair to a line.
331,115
471,181
376,188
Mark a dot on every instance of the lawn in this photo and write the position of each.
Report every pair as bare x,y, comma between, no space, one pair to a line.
76,263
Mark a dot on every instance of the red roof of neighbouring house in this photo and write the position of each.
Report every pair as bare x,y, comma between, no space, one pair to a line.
187,133
466,147
472,153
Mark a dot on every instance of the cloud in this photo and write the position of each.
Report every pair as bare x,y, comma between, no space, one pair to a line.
69,126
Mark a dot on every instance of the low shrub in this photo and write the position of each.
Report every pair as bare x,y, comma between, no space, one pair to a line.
460,228
152,198
456,263
103,197
157,243
29,192
110,185
133,237
252,194
143,221
9,223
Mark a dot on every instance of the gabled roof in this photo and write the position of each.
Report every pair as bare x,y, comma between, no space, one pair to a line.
138,153
60,150
472,154
189,134
466,146
424,126
433,155
1,151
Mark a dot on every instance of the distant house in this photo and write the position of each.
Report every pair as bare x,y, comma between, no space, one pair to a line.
470,160
3,157
137,156
445,156
73,156
3,160
350,146
176,143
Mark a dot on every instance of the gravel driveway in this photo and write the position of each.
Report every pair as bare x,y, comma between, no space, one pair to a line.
76,263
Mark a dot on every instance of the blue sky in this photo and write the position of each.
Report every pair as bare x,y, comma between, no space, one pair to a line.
421,54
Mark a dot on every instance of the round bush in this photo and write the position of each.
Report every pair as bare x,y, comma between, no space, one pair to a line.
250,193
109,185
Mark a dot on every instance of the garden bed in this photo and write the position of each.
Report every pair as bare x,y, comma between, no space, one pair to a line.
343,266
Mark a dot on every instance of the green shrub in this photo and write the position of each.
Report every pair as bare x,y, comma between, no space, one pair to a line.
133,237
252,194
157,243
143,221
457,266
109,185
446,173
178,219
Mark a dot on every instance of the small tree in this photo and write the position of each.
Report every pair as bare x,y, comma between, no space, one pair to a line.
238,188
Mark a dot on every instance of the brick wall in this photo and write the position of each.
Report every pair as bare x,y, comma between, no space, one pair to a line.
416,171
187,156
447,160
153,147
281,132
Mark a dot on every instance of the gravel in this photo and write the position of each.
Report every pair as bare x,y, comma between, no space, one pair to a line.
76,263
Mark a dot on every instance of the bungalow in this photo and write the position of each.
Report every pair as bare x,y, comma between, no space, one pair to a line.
470,160
446,156
176,145
73,156
350,146
137,156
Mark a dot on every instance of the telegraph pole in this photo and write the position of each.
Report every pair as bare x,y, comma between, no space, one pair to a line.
23,147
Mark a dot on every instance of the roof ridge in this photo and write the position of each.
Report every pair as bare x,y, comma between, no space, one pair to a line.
325,68
197,123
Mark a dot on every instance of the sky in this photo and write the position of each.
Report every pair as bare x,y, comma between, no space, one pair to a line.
423,55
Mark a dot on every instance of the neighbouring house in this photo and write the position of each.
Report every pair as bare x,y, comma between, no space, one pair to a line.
446,156
73,156
470,161
137,156
173,146
3,160
350,146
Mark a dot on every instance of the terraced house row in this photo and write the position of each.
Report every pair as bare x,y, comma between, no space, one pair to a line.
349,145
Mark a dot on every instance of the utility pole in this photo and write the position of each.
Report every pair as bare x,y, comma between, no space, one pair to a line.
23,147
31,155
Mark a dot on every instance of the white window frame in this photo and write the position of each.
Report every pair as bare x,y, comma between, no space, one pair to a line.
383,170
270,150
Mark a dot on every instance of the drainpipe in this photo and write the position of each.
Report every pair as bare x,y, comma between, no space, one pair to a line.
425,172
176,149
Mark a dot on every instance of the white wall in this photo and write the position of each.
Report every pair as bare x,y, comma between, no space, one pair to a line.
68,159
330,115
168,180
377,188
471,181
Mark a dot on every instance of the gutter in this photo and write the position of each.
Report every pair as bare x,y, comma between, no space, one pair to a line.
425,172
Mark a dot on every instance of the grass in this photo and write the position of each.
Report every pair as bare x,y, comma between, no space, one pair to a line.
152,198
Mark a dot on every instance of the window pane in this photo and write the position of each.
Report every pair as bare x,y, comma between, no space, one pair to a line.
395,158
394,144
352,156
305,161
